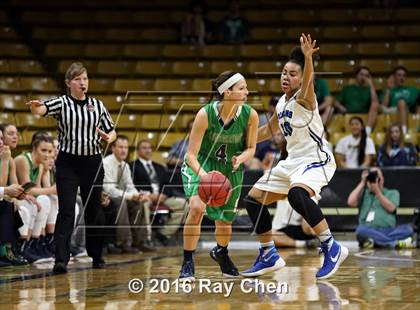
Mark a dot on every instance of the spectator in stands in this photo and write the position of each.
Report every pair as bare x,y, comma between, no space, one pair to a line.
274,152
265,116
395,152
196,27
152,178
290,229
132,205
398,98
357,149
179,149
266,151
377,213
272,146
360,98
234,29
325,100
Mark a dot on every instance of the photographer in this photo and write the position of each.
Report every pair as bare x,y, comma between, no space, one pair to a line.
377,213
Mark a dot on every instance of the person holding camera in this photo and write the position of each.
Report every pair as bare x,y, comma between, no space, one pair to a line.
377,213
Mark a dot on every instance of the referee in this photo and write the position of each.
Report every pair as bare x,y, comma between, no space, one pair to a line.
82,122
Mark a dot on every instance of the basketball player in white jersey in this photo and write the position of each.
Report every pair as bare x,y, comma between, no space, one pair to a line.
299,178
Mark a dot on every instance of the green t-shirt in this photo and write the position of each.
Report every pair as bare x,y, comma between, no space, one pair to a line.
222,142
381,218
355,98
409,94
321,90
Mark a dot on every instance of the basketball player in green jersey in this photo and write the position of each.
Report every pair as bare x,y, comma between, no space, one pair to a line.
222,138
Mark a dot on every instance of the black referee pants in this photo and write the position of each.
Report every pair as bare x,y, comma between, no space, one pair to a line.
87,172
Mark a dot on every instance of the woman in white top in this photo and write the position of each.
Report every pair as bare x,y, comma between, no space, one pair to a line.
357,149
309,166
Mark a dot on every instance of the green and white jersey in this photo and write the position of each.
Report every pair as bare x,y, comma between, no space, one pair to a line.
223,141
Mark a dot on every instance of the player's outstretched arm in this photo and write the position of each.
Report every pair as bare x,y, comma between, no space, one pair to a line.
268,130
307,97
200,126
37,107
251,141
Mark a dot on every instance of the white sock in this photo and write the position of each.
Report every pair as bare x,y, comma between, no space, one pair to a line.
404,129
368,130
300,243
326,236
267,246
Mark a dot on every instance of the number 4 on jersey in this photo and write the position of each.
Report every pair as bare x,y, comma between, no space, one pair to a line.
221,153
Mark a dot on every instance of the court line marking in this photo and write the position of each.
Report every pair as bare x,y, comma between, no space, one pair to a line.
362,255
77,269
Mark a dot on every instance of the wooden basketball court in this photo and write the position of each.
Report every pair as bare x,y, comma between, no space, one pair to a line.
381,279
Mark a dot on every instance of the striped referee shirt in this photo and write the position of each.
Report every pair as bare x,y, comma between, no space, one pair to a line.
77,122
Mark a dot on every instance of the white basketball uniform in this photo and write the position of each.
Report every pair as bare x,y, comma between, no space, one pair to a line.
309,160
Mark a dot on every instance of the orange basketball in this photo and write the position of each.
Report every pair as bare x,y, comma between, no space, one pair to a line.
214,189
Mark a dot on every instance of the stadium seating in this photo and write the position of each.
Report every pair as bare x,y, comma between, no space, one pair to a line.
133,51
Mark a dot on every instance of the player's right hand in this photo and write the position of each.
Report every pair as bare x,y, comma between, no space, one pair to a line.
307,45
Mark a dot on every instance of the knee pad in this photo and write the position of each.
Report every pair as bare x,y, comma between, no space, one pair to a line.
303,204
258,214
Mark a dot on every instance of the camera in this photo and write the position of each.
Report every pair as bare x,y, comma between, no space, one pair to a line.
372,177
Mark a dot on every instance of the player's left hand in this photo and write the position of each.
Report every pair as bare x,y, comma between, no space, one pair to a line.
105,136
235,162
307,45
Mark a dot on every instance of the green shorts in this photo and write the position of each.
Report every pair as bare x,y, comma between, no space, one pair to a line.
227,212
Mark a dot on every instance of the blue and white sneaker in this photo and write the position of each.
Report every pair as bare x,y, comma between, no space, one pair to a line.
332,259
187,271
265,263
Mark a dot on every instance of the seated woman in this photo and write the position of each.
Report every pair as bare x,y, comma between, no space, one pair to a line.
357,149
30,168
395,152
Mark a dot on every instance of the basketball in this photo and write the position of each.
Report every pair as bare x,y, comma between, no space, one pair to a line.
214,189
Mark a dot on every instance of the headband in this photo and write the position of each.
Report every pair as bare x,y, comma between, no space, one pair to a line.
229,82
